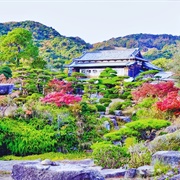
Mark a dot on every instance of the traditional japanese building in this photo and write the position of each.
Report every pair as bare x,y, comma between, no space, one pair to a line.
127,62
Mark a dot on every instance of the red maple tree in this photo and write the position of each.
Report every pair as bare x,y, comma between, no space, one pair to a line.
159,90
170,103
56,85
60,93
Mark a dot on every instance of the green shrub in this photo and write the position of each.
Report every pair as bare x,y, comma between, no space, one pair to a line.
108,155
78,75
106,104
125,95
142,129
92,108
6,71
71,79
126,103
115,106
113,96
130,141
100,107
104,100
106,95
166,142
161,168
147,102
23,139
132,85
139,155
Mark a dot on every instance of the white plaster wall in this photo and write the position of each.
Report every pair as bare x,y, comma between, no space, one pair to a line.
96,72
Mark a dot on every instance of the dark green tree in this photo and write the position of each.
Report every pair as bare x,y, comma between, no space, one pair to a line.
6,71
108,73
16,45
59,64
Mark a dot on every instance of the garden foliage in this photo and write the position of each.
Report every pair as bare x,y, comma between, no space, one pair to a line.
142,129
108,155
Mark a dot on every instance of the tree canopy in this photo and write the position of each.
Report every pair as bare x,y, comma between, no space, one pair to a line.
16,45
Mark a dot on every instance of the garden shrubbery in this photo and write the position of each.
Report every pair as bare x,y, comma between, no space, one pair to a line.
140,155
166,142
100,107
115,106
22,139
142,129
108,155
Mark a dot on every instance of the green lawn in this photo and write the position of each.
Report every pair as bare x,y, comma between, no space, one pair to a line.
54,156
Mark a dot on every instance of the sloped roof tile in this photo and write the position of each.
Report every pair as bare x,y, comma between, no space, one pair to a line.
109,54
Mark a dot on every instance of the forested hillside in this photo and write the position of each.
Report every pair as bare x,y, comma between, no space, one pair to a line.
152,46
58,49
52,45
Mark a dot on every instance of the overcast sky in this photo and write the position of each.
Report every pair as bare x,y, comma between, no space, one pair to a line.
97,20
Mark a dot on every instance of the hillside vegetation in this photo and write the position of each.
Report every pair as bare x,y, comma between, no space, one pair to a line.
152,46
52,45
59,49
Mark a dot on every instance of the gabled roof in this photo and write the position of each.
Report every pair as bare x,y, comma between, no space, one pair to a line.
111,54
148,65
164,75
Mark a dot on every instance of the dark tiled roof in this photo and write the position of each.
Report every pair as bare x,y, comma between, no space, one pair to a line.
148,65
110,54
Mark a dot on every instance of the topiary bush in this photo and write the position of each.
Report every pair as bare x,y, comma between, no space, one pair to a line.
126,104
142,129
125,95
106,104
6,71
105,100
113,96
100,107
108,155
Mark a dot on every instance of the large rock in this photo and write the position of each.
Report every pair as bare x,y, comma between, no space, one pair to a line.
145,171
167,157
130,173
176,177
37,171
113,173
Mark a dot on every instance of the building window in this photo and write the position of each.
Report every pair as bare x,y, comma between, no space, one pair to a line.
82,71
94,71
89,71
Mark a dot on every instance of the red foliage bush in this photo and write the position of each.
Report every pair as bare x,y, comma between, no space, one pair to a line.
166,92
159,90
60,98
60,93
170,103
56,85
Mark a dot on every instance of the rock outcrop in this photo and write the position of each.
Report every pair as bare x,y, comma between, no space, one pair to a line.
167,157
49,171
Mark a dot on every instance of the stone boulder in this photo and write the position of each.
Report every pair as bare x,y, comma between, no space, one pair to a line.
113,173
37,171
131,173
145,171
176,177
167,157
